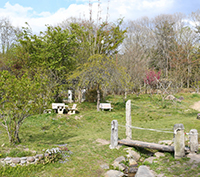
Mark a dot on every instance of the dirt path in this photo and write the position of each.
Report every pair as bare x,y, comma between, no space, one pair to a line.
196,106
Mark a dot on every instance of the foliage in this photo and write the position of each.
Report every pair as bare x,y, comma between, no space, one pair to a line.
51,156
20,97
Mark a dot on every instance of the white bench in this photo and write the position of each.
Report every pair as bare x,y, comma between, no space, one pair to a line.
73,109
60,107
103,106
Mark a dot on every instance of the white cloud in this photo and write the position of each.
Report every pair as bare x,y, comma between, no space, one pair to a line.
130,9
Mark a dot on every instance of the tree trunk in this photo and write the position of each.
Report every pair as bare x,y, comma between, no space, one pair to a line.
125,94
189,72
98,97
147,145
79,95
16,137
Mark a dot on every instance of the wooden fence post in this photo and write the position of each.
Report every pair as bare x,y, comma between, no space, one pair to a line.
179,141
193,138
114,134
128,120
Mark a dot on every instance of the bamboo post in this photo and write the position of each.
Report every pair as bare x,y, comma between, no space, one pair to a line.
193,138
114,134
179,141
128,120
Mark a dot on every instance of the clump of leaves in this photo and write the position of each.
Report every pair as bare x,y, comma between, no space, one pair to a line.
51,156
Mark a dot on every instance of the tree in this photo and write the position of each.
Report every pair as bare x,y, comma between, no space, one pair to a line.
165,37
99,71
52,50
8,35
152,78
95,38
8,38
19,98
136,50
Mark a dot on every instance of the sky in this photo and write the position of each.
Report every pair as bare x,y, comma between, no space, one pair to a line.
39,13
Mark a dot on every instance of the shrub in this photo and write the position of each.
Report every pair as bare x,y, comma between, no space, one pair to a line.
152,77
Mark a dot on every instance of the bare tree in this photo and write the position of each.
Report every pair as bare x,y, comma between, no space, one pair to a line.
7,34
136,51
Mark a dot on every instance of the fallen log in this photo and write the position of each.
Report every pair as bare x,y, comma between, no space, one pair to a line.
146,145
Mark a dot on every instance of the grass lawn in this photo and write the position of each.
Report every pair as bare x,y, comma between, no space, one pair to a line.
80,132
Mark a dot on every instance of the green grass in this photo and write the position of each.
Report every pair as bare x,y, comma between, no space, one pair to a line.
80,132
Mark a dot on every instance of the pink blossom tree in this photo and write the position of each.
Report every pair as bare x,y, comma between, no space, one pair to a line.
152,78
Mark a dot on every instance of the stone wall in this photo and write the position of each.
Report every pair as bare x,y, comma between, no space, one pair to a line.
13,161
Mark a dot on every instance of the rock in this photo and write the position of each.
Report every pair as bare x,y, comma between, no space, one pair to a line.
143,171
16,160
120,159
23,162
39,156
132,163
117,162
23,158
181,98
8,162
132,171
105,166
170,97
159,154
114,173
150,159
118,165
30,159
7,159
133,155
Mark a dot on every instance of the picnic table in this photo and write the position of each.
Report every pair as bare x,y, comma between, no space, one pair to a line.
59,107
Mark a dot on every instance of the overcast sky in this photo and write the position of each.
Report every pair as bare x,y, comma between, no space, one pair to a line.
40,12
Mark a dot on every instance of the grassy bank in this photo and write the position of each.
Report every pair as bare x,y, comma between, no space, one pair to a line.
81,131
